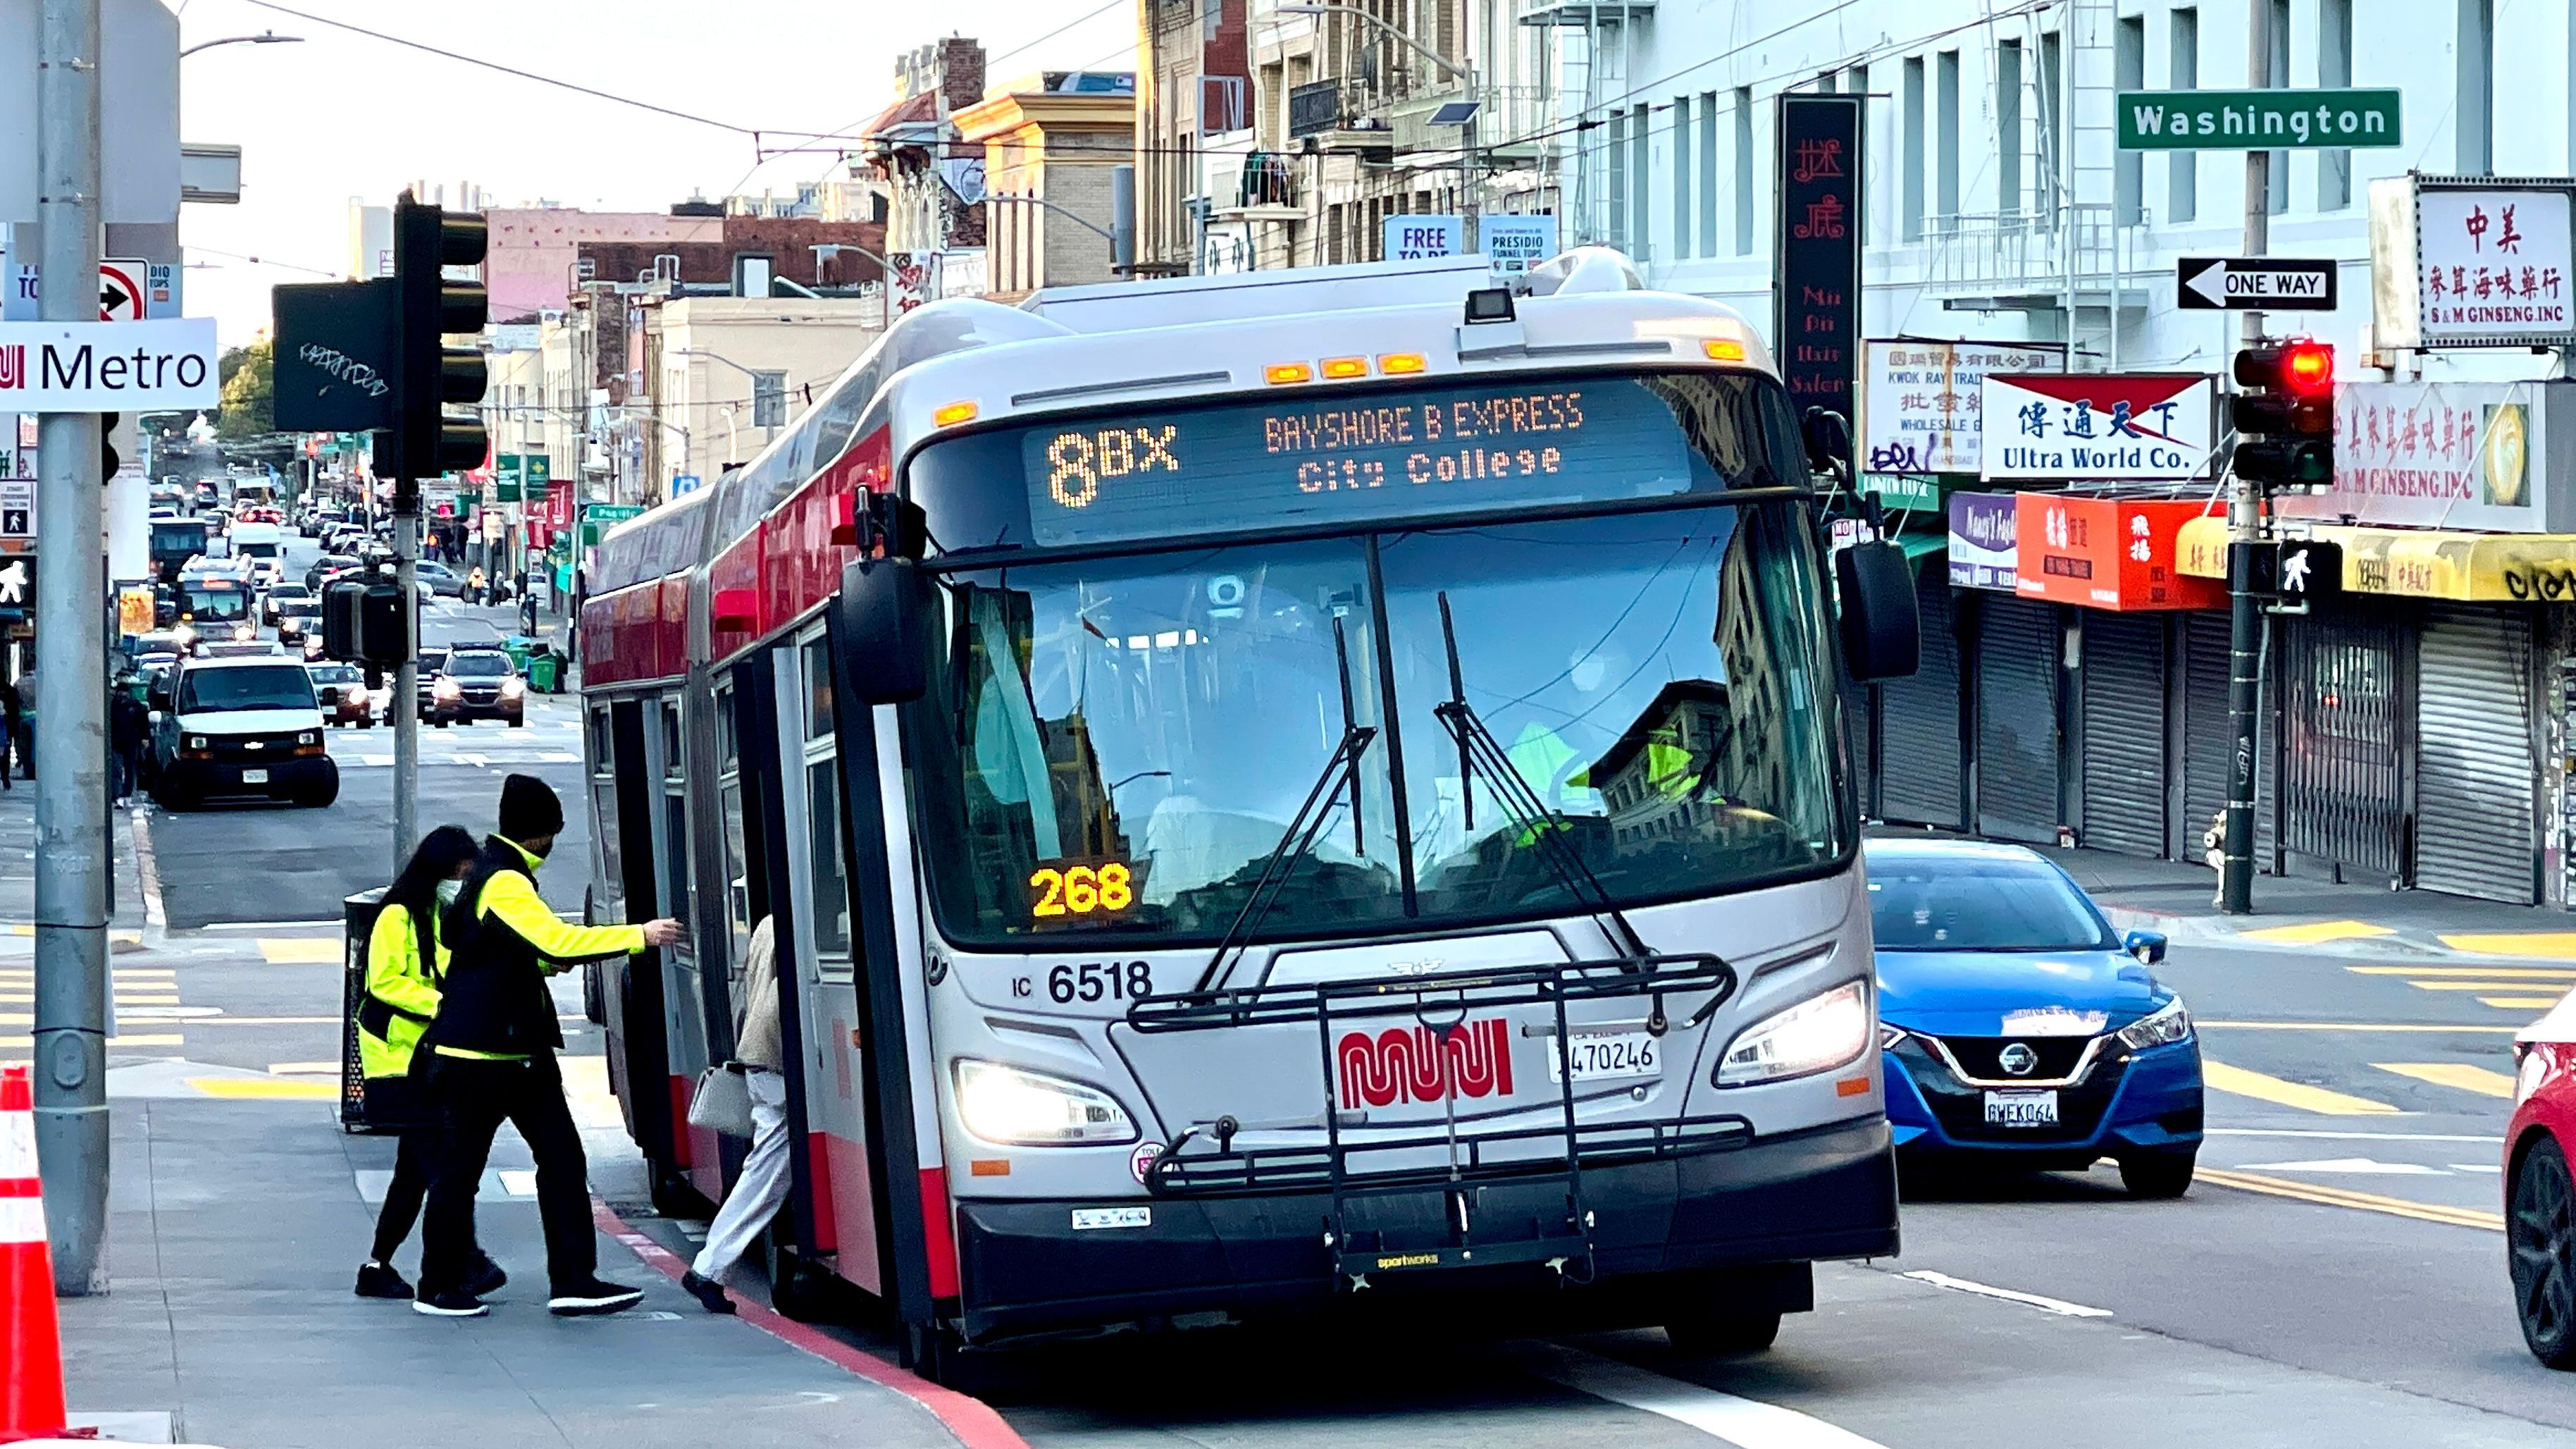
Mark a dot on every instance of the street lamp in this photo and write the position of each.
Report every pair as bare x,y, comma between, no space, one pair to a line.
768,430
1465,76
885,277
265,37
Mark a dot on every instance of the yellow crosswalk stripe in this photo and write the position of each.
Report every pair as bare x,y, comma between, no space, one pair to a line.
2454,1074
295,951
2346,1198
264,1089
2483,973
2237,1081
2316,933
2519,1003
2478,985
2546,945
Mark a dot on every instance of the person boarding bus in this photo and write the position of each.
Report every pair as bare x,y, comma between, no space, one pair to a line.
762,1189
494,1042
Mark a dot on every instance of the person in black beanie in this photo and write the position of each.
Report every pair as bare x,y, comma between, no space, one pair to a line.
492,1048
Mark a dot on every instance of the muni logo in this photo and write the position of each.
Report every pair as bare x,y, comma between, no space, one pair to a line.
1412,1064
13,365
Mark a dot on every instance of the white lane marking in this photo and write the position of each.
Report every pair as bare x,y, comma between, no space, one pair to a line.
2475,1166
2352,1166
1745,1423
2351,1136
2057,1306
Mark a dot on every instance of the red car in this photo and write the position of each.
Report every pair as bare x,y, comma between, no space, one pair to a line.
2539,1191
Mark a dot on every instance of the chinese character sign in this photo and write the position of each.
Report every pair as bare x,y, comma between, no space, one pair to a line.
1922,403
1818,257
2494,266
2099,425
2444,455
2108,553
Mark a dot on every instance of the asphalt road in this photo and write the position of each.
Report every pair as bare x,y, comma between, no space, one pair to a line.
2336,1277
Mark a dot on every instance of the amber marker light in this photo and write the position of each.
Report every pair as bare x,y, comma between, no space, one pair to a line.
1852,1087
1396,364
955,413
1339,367
1722,349
1283,372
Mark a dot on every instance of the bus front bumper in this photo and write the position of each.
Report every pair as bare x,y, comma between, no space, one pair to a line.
1744,1221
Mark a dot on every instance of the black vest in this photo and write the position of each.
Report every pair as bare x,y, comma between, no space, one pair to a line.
494,998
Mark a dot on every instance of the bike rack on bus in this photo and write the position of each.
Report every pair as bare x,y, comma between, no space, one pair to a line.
1203,1161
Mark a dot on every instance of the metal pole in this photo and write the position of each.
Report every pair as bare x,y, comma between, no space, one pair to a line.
71,685
406,710
2245,526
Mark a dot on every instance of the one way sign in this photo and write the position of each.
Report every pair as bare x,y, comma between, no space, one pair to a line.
2256,284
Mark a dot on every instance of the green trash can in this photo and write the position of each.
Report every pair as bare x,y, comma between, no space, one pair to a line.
544,672
518,653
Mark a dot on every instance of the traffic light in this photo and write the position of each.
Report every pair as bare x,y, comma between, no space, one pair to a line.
108,460
424,441
365,621
2285,416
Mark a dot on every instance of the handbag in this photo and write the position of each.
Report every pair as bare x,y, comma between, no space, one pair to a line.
722,1102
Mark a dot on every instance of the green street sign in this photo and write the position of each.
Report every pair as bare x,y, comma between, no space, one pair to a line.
507,470
1902,490
2256,120
598,518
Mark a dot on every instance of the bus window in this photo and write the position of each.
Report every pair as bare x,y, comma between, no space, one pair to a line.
737,875
675,816
603,794
830,907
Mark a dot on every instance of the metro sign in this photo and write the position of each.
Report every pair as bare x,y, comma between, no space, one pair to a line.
1417,1064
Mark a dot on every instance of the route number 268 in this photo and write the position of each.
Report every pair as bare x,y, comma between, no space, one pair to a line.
1081,890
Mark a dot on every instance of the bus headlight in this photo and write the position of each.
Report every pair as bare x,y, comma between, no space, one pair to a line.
1007,1105
1816,1035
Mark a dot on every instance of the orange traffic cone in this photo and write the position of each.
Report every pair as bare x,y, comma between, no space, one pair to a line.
31,1345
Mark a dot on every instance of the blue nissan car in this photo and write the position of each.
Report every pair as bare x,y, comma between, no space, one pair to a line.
2019,1029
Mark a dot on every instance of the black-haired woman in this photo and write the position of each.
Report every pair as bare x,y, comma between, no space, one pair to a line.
405,963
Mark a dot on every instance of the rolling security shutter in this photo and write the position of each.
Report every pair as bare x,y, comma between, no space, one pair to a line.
2017,650
1918,721
2207,739
2474,761
2124,732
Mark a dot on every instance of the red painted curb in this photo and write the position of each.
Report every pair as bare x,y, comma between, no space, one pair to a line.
970,1419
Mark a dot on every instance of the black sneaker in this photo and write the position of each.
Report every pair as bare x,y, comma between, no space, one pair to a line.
707,1291
485,1278
454,1303
597,1295
379,1280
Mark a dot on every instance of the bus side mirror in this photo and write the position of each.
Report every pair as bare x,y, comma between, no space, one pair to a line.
878,619
160,694
1828,440
1882,634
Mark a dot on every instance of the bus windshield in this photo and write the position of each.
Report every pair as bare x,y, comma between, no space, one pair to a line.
1122,742
221,603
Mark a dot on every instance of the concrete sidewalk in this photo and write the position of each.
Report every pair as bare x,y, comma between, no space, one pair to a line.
129,917
236,1229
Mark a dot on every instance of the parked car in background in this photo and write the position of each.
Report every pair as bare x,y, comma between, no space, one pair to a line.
440,578
2020,1031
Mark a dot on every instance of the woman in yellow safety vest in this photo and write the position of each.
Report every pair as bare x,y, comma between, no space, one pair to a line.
405,963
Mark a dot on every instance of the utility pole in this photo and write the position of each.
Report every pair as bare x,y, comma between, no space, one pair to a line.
72,843
2245,525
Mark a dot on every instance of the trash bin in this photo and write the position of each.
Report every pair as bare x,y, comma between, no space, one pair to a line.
545,672
358,919
518,653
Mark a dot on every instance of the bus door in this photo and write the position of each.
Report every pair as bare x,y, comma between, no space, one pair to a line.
684,1021
769,742
841,1188
631,988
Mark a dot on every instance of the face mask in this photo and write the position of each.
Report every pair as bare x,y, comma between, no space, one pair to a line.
449,890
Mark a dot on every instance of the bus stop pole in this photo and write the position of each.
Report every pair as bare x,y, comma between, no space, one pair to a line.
406,705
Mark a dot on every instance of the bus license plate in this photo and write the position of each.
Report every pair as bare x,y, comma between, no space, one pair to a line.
2021,1109
1609,1058
254,777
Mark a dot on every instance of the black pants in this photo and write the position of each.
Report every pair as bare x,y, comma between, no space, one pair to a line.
475,1098
406,1100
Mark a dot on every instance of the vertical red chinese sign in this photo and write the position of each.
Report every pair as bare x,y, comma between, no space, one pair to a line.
1817,256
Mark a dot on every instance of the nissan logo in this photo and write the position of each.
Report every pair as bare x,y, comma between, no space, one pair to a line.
2017,1058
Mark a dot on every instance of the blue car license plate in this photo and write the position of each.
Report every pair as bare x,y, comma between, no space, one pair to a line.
2021,1109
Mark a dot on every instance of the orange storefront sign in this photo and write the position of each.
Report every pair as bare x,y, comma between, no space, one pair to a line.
2108,553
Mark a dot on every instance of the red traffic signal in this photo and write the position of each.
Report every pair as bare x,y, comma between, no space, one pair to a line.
2304,369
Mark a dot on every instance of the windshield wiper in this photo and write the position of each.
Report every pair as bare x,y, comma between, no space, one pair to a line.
1295,844
1480,754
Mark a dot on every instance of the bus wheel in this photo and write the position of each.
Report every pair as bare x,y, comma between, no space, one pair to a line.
1709,1332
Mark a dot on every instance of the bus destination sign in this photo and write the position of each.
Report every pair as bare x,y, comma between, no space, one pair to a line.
1317,458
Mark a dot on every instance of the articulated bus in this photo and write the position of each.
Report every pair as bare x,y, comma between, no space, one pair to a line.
1314,791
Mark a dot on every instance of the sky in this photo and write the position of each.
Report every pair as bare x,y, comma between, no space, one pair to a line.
342,116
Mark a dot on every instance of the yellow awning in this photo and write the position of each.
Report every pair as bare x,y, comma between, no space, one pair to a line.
2498,568
2418,563
2200,547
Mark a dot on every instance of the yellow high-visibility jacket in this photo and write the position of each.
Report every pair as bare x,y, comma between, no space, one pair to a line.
402,995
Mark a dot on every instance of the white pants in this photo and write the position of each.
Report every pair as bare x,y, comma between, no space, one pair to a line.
760,1191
